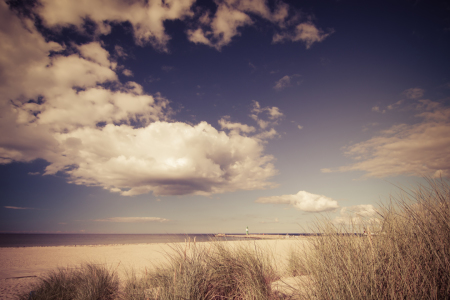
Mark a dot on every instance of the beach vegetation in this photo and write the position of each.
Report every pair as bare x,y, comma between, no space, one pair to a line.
88,282
404,253
215,270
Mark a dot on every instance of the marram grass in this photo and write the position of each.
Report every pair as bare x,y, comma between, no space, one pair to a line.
208,271
89,282
406,256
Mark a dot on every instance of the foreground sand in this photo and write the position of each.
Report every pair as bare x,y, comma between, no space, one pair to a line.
20,267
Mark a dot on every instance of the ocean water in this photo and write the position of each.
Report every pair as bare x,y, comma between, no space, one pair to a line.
45,240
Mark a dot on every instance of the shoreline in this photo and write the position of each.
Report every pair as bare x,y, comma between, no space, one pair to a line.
214,237
78,240
122,244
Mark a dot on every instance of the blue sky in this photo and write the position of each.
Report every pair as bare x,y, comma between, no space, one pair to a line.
209,116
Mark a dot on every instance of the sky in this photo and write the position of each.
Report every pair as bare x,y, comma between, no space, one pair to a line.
184,116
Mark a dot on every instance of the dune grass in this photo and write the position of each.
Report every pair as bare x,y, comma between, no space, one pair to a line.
212,271
408,257
89,282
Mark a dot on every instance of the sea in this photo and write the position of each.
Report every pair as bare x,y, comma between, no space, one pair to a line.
47,240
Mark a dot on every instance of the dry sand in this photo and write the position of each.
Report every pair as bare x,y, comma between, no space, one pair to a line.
20,267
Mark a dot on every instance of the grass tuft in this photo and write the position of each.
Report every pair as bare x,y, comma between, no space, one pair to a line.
215,271
407,258
90,282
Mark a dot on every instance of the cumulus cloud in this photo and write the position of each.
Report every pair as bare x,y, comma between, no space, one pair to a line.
73,112
133,220
218,30
146,17
358,214
94,52
407,149
303,201
165,158
223,27
305,32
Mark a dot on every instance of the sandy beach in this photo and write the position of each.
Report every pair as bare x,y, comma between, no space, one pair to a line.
20,267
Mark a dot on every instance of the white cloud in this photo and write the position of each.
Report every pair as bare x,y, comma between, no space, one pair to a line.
267,134
284,82
272,114
94,52
300,127
418,149
305,32
133,220
235,127
16,207
198,36
119,138
414,93
147,18
127,72
223,27
165,158
303,201
219,30
120,52
358,214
